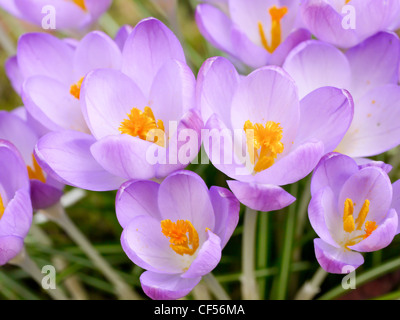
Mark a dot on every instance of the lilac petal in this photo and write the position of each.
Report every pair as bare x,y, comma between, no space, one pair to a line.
66,154
44,54
160,286
146,245
216,83
215,26
136,198
50,102
14,74
325,115
226,210
375,128
10,246
374,62
371,184
381,237
396,200
306,62
125,156
44,195
336,260
96,50
147,48
109,97
333,171
121,36
207,258
261,197
184,196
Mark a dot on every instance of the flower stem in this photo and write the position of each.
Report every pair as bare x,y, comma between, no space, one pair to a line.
215,287
57,214
312,287
24,261
248,280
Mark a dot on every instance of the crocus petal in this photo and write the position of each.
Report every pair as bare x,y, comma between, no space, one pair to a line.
371,184
109,96
365,162
96,50
44,195
216,83
215,26
97,7
125,156
336,260
226,209
122,35
207,259
135,198
325,115
261,197
166,287
184,196
147,48
396,200
10,246
314,64
14,74
66,154
10,7
381,237
375,128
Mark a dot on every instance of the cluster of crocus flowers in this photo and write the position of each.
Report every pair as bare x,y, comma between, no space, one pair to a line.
68,14
175,230
255,33
352,210
261,133
15,202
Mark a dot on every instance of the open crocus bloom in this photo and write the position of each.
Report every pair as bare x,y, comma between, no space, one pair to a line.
257,32
69,14
15,202
142,120
346,23
48,72
45,190
369,72
175,230
261,134
351,210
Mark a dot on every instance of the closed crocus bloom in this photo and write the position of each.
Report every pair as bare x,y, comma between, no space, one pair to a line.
175,230
256,33
68,14
346,23
369,72
15,202
261,134
45,190
351,211
142,120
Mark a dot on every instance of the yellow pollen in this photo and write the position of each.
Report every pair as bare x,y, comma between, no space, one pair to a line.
75,89
143,124
276,30
349,225
267,139
347,1
2,209
80,3
183,237
36,172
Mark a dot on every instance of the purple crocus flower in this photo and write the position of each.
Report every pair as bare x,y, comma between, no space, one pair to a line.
69,14
346,23
153,94
45,190
270,138
351,210
175,230
256,33
15,202
369,72
48,73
